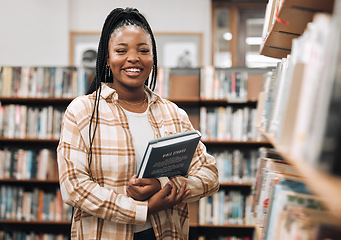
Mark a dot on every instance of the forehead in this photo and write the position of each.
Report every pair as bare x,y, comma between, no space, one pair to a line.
131,32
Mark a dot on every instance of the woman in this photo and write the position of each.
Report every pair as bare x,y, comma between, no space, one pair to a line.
104,135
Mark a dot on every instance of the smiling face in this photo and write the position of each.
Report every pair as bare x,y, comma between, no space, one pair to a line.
130,58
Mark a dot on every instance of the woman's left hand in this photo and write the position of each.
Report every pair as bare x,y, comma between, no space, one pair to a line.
142,189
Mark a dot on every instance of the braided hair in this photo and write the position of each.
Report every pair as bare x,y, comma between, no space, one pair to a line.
116,19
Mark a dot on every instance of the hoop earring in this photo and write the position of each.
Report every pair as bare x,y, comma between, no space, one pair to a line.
109,70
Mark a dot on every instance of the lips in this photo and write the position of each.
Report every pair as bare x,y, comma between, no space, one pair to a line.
132,71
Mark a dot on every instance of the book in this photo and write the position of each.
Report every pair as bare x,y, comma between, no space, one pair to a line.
169,156
286,193
306,223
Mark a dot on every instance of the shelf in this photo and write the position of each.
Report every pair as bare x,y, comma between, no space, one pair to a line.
35,222
208,142
55,227
194,101
235,184
29,140
248,143
36,101
197,102
324,185
295,14
225,102
222,226
29,181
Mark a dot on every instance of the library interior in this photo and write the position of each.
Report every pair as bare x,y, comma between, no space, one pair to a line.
257,78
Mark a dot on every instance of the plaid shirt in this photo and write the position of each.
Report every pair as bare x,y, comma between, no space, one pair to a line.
102,208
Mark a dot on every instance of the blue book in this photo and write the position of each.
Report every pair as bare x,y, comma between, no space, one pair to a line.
169,156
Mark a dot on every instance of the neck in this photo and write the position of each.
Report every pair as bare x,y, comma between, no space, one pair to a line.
130,95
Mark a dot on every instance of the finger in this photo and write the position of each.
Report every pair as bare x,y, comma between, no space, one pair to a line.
144,181
173,192
129,193
182,193
133,179
133,190
166,190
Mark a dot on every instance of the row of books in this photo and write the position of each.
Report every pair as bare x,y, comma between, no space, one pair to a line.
281,199
223,84
228,123
299,104
226,207
16,235
236,166
28,164
29,81
234,84
18,203
208,82
223,238
21,121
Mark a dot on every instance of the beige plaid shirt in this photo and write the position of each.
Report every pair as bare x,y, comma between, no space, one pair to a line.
102,208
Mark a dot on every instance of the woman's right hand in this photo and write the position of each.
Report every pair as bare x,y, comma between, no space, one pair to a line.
167,197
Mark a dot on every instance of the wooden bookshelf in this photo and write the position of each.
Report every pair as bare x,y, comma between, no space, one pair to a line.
35,222
36,101
250,143
54,227
193,103
222,226
46,185
295,14
324,185
29,140
29,181
236,184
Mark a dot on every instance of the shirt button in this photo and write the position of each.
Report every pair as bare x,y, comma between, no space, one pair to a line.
77,199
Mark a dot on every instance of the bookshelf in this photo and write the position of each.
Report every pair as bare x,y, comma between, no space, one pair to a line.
292,18
302,138
208,99
30,98
325,185
191,104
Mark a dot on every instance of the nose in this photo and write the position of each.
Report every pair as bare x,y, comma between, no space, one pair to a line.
133,57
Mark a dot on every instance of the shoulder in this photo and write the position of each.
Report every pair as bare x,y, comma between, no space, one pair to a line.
169,105
170,110
81,104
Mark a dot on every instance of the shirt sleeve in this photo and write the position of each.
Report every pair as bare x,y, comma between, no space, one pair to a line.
202,178
77,188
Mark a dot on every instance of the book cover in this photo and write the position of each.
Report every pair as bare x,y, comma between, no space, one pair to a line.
306,223
289,193
169,156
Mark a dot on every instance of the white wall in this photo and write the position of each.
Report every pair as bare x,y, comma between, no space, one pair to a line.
36,32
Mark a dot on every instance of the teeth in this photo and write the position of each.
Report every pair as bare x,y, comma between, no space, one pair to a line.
133,70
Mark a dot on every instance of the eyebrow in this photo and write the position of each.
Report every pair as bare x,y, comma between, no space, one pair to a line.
125,44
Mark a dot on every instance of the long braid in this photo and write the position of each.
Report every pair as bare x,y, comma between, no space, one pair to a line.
117,18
